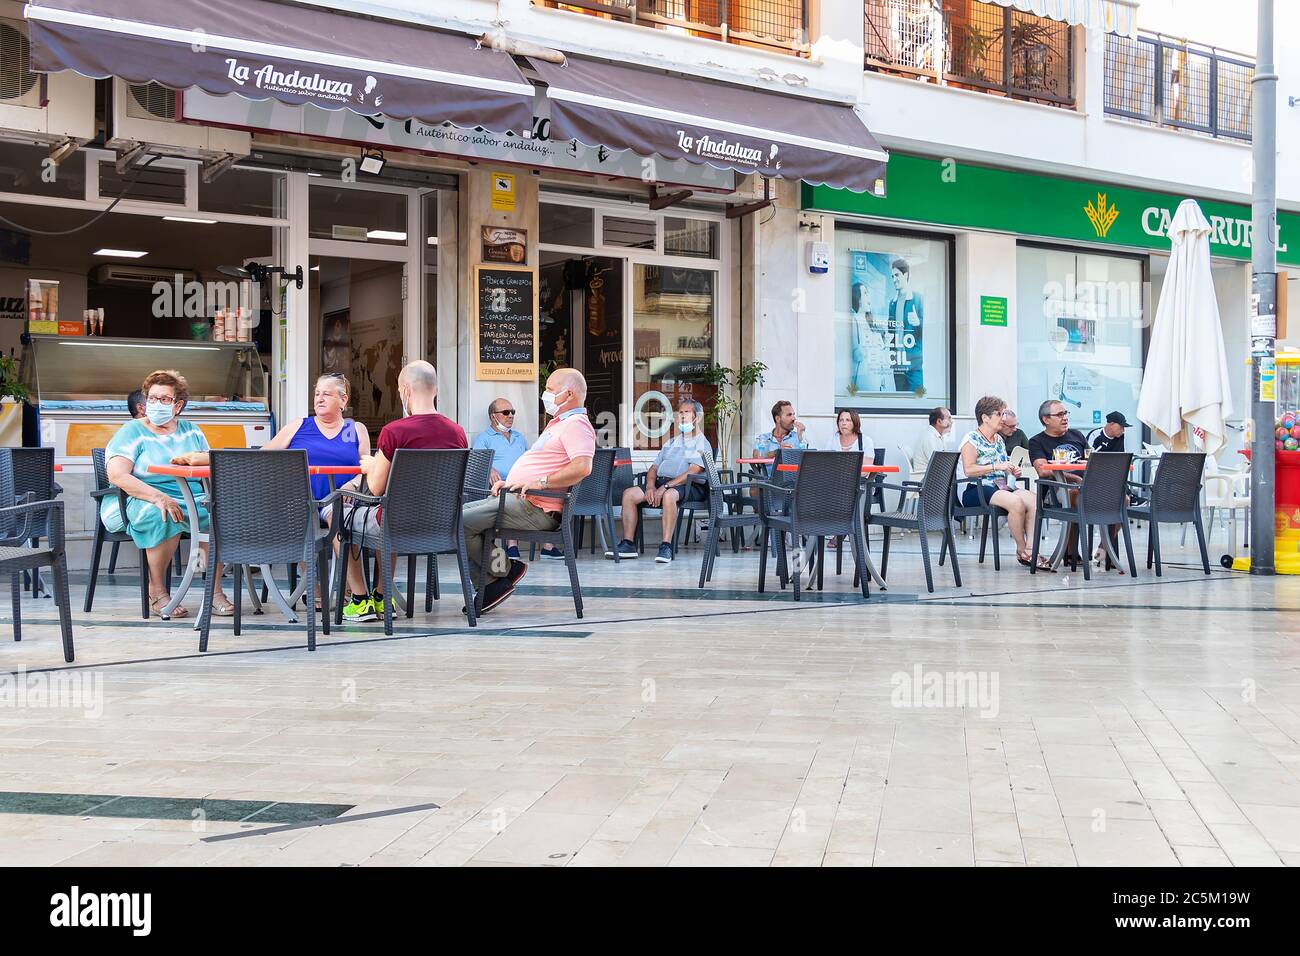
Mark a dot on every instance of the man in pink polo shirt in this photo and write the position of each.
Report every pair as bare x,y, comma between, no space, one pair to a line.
559,459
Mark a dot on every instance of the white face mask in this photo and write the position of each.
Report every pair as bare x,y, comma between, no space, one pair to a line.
549,403
502,427
687,427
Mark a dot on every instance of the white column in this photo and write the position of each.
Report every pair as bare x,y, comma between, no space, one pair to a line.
986,354
297,304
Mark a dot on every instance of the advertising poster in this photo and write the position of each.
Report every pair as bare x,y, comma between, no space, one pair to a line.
885,331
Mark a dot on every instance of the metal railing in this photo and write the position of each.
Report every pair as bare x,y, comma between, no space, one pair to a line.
1174,83
972,44
768,24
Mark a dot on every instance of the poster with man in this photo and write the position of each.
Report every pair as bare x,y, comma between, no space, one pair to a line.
886,322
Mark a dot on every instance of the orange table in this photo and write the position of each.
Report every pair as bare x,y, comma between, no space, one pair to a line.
58,467
754,461
866,469
620,462
1056,466
205,471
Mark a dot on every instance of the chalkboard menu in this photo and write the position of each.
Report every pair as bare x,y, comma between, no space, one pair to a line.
505,300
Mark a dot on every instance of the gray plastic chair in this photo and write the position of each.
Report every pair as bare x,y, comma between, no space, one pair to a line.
561,537
421,515
934,498
1103,501
478,482
1173,497
23,522
721,515
31,474
103,536
263,513
823,502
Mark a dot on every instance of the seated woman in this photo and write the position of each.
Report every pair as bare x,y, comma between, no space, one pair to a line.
848,437
155,513
327,437
984,456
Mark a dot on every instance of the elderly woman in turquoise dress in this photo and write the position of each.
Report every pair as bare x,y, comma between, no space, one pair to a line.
155,510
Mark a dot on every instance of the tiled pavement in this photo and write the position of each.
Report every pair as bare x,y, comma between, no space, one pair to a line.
1116,722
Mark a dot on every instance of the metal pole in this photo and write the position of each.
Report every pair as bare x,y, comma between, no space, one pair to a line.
1263,330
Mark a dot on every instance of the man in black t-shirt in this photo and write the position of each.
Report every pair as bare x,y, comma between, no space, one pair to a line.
1056,433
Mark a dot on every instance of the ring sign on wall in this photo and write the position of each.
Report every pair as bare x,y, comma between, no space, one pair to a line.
505,323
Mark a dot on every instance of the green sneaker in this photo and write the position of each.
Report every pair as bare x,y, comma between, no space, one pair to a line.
359,610
377,604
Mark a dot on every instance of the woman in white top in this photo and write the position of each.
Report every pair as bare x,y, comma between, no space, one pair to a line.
872,368
848,437
984,456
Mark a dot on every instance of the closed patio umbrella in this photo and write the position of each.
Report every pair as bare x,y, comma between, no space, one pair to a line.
1186,380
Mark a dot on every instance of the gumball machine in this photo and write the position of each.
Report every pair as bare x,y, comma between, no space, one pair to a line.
1286,435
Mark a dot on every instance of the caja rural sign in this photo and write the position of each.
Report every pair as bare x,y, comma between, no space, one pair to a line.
942,192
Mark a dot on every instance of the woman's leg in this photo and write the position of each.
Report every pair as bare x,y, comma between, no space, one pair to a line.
159,557
1010,502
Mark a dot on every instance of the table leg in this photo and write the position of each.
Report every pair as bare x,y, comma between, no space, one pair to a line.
277,596
1062,543
197,537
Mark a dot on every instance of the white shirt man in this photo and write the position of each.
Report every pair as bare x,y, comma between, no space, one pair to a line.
934,438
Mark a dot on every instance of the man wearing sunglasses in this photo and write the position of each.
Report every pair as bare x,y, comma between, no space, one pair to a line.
506,444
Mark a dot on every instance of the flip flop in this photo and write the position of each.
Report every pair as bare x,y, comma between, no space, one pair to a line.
158,603
223,610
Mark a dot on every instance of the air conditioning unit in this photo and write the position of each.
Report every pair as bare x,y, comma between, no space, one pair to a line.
114,273
52,108
151,113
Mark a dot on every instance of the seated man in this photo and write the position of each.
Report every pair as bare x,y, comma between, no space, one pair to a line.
559,459
934,438
787,432
667,480
1110,436
1057,436
506,446
1013,436
422,427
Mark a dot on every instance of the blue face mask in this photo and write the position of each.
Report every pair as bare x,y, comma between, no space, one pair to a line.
687,427
158,413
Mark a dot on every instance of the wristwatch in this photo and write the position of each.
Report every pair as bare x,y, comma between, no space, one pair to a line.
543,481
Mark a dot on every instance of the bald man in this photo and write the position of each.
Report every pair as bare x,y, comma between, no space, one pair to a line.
559,459
421,427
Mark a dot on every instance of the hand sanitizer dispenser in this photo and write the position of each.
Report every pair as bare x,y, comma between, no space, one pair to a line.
819,258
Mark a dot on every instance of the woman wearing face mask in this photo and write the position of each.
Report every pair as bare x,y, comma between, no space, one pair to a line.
667,482
155,514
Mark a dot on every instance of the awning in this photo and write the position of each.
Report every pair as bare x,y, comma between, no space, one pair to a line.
263,50
650,112
1111,16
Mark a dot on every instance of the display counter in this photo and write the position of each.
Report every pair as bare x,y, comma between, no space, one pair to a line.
80,385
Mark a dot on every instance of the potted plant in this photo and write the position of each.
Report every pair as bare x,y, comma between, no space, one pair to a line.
12,395
731,384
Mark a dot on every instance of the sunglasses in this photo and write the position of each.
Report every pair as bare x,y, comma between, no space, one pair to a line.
506,411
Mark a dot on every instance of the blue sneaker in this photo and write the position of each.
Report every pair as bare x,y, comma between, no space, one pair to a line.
665,555
512,552
555,554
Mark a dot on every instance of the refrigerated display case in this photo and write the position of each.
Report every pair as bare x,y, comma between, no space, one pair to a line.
79,387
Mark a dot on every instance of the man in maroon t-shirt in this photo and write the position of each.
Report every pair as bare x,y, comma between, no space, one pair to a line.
422,427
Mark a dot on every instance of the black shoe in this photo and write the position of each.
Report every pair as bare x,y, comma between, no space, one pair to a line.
555,554
517,571
626,551
495,593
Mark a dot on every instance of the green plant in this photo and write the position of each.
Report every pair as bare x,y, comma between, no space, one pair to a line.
10,384
731,384
971,47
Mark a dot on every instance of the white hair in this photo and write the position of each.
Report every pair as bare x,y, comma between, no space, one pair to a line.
572,379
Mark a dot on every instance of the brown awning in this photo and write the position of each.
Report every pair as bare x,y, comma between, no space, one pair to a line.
650,112
263,50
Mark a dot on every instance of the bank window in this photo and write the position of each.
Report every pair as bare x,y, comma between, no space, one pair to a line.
673,313
893,321
629,233
357,215
567,225
1078,334
697,238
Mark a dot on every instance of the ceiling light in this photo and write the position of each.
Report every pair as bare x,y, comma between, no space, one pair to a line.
386,234
372,162
120,253
206,222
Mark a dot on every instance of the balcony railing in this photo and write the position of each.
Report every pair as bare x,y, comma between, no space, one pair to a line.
1173,83
973,45
780,25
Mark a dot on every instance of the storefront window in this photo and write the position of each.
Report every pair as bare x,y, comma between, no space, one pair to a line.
697,238
359,215
154,183
242,192
631,233
1079,317
892,321
27,170
673,313
567,225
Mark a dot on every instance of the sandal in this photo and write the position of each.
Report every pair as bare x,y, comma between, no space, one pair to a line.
156,604
223,609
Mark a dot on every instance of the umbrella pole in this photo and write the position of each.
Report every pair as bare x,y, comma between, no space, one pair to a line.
1263,332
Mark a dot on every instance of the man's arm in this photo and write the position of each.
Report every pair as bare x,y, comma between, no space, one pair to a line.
376,472
568,476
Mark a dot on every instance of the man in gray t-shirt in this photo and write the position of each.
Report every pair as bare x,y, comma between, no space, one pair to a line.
667,482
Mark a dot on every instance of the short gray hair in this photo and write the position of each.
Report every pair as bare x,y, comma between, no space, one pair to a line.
695,406
420,376
573,379
1045,409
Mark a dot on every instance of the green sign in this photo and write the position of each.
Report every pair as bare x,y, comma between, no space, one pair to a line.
947,193
993,310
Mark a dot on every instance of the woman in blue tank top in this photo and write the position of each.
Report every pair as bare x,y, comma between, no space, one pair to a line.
327,437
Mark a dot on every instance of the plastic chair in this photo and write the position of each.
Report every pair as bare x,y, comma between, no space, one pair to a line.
562,536
478,484
591,499
421,508
933,512
246,533
101,491
722,516
822,501
1103,500
31,472
1174,497
28,522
